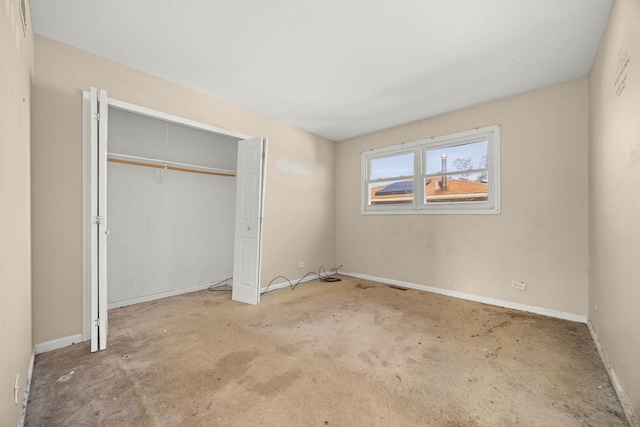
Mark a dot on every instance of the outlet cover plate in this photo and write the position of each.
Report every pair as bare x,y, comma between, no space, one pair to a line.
521,286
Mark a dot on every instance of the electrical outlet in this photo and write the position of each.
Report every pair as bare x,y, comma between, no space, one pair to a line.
595,306
521,286
301,264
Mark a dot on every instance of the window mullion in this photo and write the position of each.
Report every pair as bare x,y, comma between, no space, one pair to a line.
418,180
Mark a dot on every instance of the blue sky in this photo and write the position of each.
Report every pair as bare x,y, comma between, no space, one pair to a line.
402,165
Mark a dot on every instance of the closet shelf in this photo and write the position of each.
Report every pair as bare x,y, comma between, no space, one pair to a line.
166,164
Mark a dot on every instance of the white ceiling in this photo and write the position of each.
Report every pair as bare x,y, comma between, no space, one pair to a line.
340,68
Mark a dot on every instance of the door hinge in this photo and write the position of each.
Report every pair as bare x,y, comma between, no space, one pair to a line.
96,323
99,220
97,117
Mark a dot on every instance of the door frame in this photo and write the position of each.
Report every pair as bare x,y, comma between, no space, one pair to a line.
87,190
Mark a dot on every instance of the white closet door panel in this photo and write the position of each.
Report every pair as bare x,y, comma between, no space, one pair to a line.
94,214
103,109
99,118
248,233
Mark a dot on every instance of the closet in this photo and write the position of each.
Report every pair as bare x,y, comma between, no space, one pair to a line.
171,206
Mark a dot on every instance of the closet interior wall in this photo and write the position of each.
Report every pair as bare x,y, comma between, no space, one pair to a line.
170,231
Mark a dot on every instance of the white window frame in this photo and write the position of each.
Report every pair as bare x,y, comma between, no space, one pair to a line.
491,206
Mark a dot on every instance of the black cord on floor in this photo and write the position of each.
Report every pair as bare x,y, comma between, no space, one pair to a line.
220,283
329,277
320,276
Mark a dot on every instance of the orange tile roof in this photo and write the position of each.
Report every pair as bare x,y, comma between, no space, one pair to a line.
457,186
457,189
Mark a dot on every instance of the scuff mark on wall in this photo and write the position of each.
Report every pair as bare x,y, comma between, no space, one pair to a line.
285,165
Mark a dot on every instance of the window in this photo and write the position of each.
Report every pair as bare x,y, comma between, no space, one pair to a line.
458,173
391,179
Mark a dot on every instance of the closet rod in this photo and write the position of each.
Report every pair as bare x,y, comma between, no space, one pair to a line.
165,165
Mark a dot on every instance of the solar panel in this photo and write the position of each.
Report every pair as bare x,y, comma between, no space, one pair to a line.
401,187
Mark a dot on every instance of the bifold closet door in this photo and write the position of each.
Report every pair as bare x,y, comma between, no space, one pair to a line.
99,231
248,228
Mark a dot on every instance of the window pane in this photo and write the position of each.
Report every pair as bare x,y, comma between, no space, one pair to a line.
394,166
457,158
455,188
391,192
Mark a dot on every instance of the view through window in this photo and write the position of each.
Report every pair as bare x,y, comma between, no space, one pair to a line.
459,173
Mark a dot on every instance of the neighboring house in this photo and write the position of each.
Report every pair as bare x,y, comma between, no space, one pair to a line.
452,190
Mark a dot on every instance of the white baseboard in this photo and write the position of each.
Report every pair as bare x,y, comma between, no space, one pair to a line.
58,343
624,400
273,287
27,388
160,295
485,300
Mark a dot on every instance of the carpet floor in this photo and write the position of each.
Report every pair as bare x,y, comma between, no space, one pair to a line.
349,353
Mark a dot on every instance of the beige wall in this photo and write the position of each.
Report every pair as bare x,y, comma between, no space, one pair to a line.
539,238
553,229
614,196
16,62
299,207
